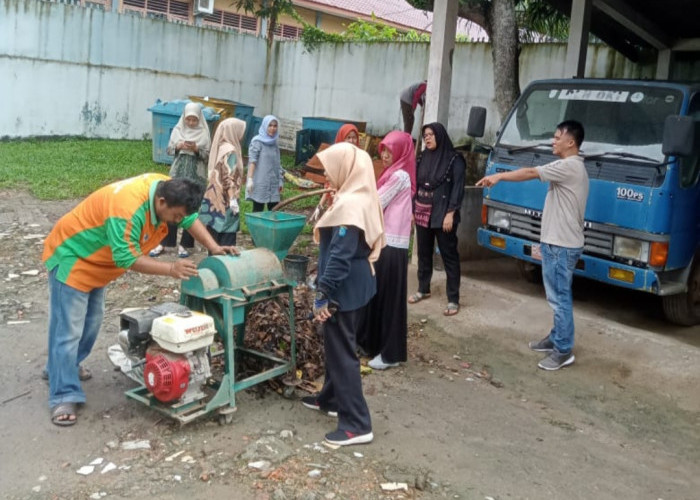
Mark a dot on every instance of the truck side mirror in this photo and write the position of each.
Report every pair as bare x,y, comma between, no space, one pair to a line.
679,136
477,121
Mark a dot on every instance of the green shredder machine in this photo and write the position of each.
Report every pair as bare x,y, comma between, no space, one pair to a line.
173,363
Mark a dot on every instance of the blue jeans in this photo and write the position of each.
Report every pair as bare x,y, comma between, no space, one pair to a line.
75,318
558,265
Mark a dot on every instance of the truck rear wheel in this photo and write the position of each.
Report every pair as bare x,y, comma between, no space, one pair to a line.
684,308
532,273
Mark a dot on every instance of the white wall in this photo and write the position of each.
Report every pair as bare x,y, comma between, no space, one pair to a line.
67,70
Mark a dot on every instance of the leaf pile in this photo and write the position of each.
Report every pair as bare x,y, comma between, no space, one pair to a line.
267,330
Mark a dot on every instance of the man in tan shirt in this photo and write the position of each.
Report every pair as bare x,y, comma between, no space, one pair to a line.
561,236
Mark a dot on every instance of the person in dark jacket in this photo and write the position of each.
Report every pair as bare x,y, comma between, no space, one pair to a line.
350,236
440,190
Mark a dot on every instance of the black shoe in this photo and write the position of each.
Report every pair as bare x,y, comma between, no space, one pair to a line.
345,438
312,403
544,345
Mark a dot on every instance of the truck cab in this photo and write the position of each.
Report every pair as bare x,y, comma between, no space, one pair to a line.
642,154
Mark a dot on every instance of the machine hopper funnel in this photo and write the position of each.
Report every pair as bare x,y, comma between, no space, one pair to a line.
275,231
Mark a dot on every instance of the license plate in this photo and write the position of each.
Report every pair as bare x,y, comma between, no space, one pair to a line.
536,252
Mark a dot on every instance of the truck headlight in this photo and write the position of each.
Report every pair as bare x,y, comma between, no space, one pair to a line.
630,248
499,218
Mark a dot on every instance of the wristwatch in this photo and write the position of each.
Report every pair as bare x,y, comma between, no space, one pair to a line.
320,296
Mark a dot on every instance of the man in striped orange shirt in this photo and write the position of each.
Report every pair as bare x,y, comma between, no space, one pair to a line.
109,232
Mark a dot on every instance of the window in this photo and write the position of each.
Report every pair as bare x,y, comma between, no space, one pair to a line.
94,4
231,20
286,31
615,118
172,10
690,165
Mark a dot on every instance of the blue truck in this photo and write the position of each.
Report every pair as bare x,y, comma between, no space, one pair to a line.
642,154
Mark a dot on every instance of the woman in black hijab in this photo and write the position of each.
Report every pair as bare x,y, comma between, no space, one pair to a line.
440,183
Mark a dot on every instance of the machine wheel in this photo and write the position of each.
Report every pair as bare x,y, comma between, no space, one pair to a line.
532,273
226,415
684,308
226,419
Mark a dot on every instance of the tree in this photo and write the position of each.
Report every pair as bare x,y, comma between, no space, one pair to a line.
499,18
266,9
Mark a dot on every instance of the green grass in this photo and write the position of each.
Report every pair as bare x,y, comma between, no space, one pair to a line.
72,168
56,169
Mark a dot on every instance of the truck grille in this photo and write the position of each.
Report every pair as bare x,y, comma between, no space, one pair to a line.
529,226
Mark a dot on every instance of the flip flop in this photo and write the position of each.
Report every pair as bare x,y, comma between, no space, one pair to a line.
63,410
417,297
451,309
83,374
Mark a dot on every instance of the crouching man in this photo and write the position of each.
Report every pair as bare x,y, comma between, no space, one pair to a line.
109,232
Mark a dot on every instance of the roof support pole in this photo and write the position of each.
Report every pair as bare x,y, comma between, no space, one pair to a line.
663,64
578,39
442,45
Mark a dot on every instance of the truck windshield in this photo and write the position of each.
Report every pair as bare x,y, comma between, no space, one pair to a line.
615,119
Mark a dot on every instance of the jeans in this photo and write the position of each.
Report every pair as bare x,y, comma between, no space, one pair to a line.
558,265
75,318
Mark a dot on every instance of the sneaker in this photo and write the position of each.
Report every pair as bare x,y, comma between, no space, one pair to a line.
544,345
312,404
345,438
156,251
556,360
377,363
182,253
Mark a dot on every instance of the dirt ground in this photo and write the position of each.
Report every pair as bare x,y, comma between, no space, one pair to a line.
468,416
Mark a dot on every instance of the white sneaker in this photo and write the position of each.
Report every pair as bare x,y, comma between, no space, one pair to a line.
377,363
156,251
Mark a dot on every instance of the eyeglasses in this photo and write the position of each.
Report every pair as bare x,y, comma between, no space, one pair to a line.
428,135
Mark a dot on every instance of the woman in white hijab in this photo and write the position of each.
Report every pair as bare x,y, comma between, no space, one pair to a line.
189,143
350,236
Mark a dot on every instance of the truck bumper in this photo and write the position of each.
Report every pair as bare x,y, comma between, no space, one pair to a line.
645,280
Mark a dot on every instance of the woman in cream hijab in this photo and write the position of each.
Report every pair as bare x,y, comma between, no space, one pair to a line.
350,236
220,211
189,143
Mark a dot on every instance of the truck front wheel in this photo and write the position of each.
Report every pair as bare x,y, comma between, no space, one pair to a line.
529,271
684,308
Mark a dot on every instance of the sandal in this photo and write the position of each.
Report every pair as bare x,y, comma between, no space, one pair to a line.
83,374
61,414
451,309
156,251
417,297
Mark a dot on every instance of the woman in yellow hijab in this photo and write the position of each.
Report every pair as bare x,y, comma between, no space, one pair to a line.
350,237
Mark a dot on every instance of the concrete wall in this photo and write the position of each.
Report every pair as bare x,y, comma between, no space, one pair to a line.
68,70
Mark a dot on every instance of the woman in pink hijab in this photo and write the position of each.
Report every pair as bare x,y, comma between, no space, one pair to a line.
386,333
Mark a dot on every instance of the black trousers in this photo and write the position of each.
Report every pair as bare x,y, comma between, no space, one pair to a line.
223,239
447,243
408,117
387,314
342,387
186,240
259,207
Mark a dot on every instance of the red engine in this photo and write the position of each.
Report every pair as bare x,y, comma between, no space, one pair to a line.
166,375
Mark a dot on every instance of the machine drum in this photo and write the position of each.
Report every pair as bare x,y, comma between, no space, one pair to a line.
166,375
